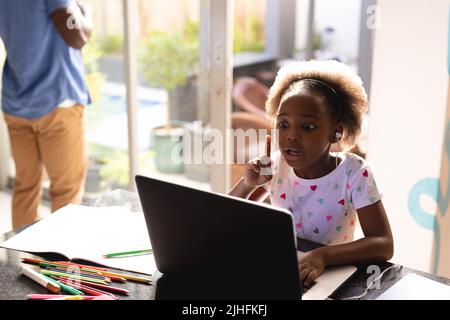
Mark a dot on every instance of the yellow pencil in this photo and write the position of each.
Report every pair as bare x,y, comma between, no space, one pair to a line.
125,276
70,298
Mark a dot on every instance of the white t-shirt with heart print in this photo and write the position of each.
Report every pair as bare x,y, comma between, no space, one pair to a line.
324,209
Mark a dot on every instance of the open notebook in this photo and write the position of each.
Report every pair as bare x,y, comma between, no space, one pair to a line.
87,233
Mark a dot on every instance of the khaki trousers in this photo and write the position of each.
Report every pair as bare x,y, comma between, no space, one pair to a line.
56,141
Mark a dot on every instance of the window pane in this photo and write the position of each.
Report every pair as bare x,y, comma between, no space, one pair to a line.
336,30
249,17
107,117
169,91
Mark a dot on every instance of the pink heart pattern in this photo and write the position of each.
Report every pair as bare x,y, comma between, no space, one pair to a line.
317,227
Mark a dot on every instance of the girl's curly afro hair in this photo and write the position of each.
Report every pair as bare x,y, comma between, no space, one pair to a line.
351,96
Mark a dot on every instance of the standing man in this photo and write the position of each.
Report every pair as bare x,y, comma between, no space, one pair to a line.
43,97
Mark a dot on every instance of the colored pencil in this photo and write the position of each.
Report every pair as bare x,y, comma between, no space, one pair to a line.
75,285
82,265
101,297
80,273
86,289
72,276
131,278
53,296
66,287
65,263
41,279
103,271
68,298
128,253
67,267
90,290
103,287
88,276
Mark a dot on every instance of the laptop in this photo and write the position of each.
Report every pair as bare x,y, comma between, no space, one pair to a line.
331,280
223,247
415,287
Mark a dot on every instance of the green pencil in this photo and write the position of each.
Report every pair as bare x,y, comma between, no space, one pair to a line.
128,253
66,288
72,276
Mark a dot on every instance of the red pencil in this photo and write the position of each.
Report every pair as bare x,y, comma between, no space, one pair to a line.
62,263
52,296
104,287
82,265
86,289
72,284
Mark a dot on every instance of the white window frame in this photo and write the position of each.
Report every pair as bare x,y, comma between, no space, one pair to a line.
131,83
219,15
221,22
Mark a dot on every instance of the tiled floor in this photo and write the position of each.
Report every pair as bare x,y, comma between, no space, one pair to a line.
5,211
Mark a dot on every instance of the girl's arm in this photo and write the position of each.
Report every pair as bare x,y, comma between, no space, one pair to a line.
241,189
376,246
254,176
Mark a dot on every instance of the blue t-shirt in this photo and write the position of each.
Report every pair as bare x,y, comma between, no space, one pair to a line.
41,70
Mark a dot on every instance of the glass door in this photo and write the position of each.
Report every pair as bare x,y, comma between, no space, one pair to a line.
107,116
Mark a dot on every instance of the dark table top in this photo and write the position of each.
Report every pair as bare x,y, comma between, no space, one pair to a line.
15,286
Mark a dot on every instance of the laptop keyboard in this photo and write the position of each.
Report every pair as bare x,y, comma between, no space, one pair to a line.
306,289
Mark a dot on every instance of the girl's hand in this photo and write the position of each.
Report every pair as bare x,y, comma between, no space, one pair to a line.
259,171
311,265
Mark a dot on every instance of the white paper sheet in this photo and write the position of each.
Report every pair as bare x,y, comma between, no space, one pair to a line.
80,232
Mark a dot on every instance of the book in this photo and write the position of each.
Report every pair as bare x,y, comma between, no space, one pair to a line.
84,233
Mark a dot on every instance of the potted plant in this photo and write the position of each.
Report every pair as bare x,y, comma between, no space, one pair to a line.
94,180
115,167
169,60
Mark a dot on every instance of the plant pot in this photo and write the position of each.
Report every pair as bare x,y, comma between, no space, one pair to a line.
183,102
167,143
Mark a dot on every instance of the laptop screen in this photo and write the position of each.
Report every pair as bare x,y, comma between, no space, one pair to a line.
233,248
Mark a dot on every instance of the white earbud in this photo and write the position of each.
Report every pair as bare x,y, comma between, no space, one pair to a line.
338,135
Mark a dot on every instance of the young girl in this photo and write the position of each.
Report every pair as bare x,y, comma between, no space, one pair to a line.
314,105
